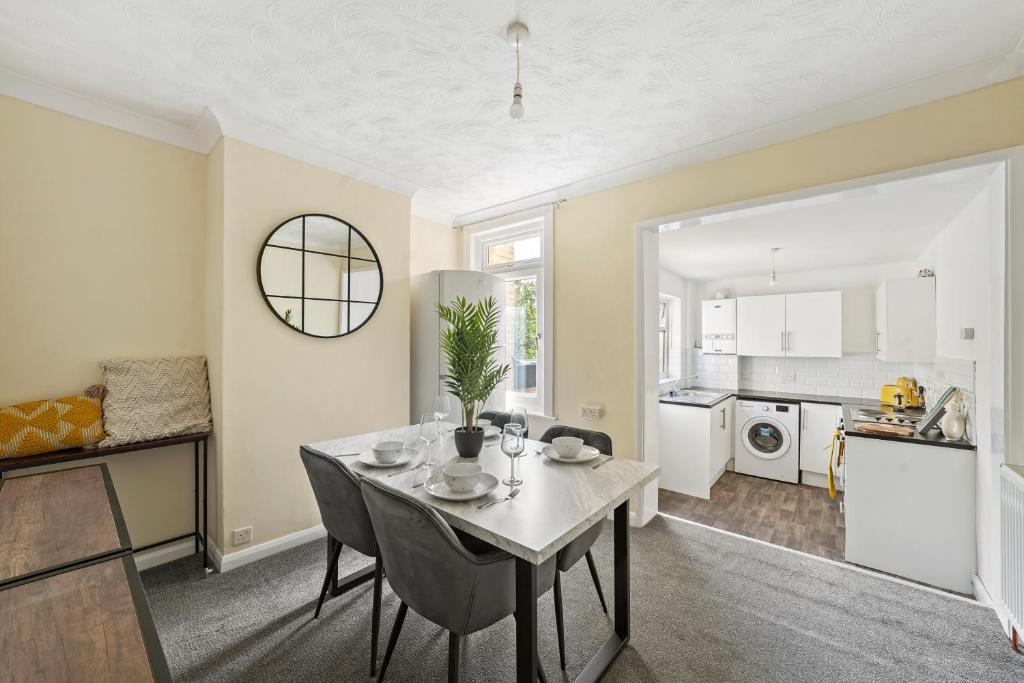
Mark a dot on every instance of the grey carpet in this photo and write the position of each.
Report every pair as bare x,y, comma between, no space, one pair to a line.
706,607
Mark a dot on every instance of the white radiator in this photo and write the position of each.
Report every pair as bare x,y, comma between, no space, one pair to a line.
1012,505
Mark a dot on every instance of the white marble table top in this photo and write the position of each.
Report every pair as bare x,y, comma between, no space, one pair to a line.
556,502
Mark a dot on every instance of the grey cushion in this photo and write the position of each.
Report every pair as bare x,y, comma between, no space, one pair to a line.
337,493
578,547
434,573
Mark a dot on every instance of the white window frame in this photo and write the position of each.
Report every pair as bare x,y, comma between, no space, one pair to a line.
667,329
482,235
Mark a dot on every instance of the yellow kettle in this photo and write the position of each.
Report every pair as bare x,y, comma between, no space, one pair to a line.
907,388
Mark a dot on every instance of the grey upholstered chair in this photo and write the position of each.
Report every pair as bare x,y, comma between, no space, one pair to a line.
580,546
499,419
434,573
344,514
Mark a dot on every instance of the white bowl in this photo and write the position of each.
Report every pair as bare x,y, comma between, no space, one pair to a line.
461,477
567,446
387,451
483,423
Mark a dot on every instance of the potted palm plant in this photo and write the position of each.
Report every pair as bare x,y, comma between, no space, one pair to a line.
470,344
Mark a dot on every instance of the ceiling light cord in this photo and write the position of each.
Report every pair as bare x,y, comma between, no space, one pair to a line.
771,277
516,33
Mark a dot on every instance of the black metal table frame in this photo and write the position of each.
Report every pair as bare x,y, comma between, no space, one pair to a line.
13,464
526,610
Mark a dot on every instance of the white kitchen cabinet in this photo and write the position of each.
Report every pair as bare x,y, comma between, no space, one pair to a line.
761,325
910,510
814,325
806,325
818,423
695,444
905,320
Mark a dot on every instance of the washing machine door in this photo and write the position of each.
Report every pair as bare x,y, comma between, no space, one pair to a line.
766,438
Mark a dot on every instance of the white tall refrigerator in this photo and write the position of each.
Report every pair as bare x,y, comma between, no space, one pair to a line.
427,364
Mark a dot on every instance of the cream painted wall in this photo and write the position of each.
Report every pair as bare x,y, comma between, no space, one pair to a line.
276,388
595,354
101,256
432,246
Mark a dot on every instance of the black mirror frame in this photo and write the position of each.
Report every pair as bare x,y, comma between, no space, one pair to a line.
352,228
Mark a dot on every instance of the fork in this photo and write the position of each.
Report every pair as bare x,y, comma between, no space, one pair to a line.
601,463
510,496
407,469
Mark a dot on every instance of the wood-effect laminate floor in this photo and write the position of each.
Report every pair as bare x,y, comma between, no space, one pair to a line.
796,516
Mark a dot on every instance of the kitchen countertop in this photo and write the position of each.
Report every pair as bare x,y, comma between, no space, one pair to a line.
932,438
756,395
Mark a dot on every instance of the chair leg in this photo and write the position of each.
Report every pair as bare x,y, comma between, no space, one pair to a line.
559,619
597,581
378,575
332,567
395,630
540,671
453,657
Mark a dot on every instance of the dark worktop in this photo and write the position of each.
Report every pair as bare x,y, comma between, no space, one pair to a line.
932,438
776,396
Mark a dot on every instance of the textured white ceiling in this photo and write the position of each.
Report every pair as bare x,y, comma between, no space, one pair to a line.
420,89
885,223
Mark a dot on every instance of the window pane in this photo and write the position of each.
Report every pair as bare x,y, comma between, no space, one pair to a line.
662,314
662,352
517,250
521,334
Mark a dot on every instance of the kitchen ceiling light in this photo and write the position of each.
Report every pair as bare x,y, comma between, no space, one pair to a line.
517,34
771,277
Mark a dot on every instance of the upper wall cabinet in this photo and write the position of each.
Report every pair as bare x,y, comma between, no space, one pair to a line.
796,325
905,320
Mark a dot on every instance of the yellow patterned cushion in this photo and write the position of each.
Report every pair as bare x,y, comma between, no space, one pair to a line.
51,425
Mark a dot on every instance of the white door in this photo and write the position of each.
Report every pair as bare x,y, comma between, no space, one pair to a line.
818,423
814,325
881,321
761,325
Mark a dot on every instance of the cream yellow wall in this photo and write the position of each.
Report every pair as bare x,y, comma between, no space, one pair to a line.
277,388
432,246
101,256
595,352
213,304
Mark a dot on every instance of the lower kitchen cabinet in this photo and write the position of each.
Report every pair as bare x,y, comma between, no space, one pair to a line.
910,510
818,423
695,445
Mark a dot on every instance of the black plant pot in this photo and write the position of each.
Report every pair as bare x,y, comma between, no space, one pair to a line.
469,443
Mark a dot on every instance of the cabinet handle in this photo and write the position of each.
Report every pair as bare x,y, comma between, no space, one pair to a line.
782,341
877,335
789,341
723,419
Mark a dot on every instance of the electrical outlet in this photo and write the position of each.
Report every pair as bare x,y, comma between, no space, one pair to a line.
591,411
787,375
242,536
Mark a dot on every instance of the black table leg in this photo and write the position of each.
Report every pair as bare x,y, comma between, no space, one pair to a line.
195,494
526,621
609,652
206,510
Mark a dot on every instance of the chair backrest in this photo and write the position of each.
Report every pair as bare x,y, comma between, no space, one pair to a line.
499,419
598,440
340,500
426,564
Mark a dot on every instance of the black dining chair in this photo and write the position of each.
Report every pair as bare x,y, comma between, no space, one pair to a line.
499,419
580,546
433,572
340,499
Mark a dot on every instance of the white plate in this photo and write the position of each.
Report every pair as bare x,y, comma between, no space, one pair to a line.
490,431
370,461
587,453
487,483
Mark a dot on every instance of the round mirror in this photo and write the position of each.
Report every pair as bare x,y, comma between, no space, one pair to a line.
319,275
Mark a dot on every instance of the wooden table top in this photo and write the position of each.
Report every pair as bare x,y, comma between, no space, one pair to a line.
51,520
556,503
80,625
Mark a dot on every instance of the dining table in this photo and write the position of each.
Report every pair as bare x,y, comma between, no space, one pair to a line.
556,502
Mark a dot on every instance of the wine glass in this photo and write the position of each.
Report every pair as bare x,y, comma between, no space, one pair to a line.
512,445
442,409
518,416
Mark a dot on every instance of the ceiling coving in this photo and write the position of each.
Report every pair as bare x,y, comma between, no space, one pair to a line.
418,89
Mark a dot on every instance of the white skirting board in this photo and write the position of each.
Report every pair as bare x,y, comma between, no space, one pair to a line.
148,559
983,596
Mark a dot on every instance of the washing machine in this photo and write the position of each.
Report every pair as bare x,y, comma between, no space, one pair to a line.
768,439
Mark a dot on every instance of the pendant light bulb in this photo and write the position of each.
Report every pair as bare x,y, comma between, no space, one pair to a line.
517,110
771,277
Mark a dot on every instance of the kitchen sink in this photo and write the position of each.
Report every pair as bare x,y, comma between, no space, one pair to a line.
888,416
693,396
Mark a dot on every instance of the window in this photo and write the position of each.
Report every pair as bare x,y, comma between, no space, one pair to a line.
664,337
519,252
